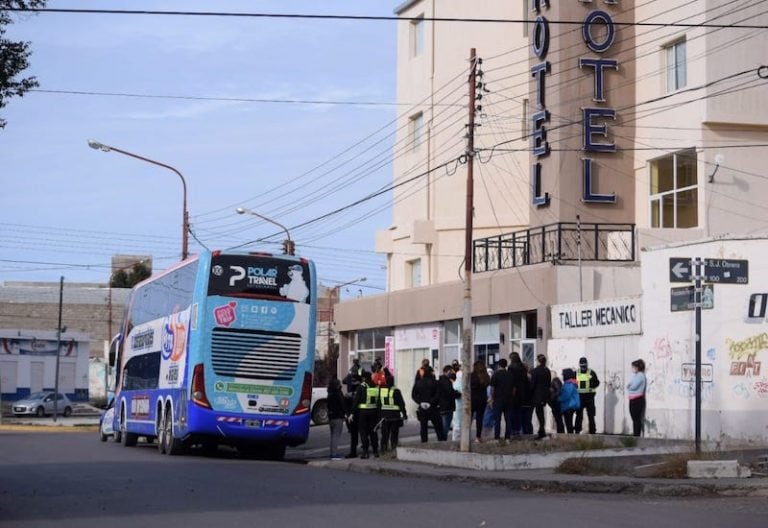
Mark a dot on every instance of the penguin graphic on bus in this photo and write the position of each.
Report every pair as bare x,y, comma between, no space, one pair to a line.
296,290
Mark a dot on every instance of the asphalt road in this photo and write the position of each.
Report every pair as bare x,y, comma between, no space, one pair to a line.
72,479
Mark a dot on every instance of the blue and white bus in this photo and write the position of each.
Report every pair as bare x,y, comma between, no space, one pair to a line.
219,349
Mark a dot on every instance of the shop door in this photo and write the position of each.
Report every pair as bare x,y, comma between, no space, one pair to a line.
8,377
67,378
407,364
36,372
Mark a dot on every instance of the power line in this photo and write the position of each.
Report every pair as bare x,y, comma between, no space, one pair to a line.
225,99
370,18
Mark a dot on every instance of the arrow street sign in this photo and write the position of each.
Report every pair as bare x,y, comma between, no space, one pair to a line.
722,271
680,269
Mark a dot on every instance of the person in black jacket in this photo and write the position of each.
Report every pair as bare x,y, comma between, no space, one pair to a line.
502,393
424,393
541,382
520,393
446,397
336,415
479,381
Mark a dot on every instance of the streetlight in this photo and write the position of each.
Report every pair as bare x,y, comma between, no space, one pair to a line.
334,292
288,245
185,215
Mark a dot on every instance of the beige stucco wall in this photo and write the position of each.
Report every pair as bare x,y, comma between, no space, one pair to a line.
437,81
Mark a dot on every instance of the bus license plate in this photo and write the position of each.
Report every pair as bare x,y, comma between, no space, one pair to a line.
253,423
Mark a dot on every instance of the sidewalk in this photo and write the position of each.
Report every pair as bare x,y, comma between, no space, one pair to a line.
546,480
536,471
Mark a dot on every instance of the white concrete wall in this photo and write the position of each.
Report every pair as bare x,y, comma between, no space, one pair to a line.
735,403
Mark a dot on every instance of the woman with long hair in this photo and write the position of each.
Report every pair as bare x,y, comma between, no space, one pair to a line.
479,382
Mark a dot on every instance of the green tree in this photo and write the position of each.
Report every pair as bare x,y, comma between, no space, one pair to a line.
129,279
14,55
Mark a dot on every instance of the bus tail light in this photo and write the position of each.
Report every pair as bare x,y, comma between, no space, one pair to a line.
306,395
198,387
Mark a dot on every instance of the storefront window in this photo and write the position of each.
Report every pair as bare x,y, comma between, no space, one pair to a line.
451,342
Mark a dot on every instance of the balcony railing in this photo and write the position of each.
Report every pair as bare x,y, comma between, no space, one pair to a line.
555,243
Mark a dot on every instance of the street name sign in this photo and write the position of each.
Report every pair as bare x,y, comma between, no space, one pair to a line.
688,374
682,299
722,271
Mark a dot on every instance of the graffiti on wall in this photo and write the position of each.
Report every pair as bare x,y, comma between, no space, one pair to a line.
761,388
743,354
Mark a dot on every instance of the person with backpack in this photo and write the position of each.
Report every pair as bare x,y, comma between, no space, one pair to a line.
541,382
554,403
569,398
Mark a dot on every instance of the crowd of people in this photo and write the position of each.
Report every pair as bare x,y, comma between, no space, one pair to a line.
374,408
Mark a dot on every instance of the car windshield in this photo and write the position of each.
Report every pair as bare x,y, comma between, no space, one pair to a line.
37,396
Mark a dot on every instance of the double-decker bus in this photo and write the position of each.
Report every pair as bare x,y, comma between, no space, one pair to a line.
218,349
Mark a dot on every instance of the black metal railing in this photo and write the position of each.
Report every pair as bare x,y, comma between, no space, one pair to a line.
555,243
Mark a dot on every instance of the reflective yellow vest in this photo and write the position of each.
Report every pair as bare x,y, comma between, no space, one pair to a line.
371,399
582,378
388,400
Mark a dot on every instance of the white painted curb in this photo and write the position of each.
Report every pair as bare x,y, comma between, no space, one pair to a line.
514,462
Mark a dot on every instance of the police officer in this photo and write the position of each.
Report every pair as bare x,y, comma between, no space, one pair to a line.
587,382
393,414
368,404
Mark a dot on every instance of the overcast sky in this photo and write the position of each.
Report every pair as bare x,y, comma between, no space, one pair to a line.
64,203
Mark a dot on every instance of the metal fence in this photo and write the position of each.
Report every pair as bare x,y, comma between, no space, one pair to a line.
555,243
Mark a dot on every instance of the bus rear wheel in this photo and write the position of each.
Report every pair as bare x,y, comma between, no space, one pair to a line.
160,430
129,439
173,446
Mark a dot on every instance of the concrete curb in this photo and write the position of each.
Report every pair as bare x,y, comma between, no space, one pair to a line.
551,460
555,484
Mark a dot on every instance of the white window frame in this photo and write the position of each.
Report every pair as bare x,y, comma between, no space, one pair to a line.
414,267
674,192
416,130
676,67
417,36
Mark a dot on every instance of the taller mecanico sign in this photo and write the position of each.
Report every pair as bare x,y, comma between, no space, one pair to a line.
598,33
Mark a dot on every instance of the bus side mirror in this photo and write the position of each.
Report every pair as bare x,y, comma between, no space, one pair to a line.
113,348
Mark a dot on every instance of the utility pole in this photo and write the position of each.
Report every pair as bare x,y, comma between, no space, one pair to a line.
466,350
698,273
58,353
578,249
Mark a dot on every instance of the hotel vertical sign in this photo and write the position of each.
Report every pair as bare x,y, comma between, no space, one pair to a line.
598,32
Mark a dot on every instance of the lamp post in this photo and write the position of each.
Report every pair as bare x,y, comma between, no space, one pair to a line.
58,353
288,245
334,292
185,215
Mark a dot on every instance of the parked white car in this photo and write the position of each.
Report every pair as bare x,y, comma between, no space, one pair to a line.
106,428
41,404
319,405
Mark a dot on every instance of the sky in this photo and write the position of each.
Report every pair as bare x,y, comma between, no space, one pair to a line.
65,208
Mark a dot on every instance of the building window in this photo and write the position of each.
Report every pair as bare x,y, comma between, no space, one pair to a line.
451,342
523,328
414,273
416,130
677,75
417,36
674,191
369,345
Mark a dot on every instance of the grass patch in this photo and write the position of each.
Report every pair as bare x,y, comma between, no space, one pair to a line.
526,445
629,441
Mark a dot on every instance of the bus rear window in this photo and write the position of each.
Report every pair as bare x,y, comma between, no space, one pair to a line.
259,278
